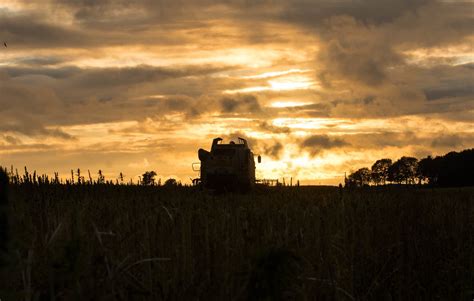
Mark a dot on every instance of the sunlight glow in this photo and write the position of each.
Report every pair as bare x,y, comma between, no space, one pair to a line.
453,55
308,123
248,90
276,73
288,104
286,83
10,5
286,86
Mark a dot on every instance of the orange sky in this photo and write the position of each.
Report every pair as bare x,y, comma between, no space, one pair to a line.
318,87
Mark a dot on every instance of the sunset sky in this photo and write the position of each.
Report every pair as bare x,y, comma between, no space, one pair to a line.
318,87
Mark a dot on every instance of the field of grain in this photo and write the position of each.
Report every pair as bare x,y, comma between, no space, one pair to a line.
116,242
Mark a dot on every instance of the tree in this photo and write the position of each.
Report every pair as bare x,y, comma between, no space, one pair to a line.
171,182
148,178
403,170
359,178
451,170
427,170
380,171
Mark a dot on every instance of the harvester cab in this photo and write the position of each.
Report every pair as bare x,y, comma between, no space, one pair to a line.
228,166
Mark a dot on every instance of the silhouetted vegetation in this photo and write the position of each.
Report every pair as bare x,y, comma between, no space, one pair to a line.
3,215
102,241
98,239
404,170
380,171
148,178
451,170
361,177
171,182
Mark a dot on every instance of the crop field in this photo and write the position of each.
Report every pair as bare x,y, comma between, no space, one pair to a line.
118,242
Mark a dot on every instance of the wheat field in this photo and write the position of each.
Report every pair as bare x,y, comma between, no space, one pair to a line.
119,242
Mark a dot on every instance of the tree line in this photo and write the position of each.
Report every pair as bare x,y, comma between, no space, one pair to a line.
454,169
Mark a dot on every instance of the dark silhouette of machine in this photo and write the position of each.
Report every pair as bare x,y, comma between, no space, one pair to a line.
228,166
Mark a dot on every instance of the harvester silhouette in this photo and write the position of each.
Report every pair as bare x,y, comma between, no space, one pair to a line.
228,166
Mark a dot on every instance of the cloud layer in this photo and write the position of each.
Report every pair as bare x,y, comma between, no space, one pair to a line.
318,86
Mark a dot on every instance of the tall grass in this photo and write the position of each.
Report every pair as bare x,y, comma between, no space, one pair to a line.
4,180
105,242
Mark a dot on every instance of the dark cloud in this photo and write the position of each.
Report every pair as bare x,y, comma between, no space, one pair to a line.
451,92
447,141
311,13
366,65
273,150
21,149
33,128
57,73
35,99
363,50
265,126
39,61
109,77
319,143
232,135
25,109
359,39
11,140
388,139
240,104
111,27
382,139
183,104
32,30
269,147
417,91
446,81
91,78
362,43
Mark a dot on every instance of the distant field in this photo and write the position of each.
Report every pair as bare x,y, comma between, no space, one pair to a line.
104,242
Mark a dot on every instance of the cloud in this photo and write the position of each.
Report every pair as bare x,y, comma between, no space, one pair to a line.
85,67
270,147
384,140
265,126
232,135
11,140
56,73
38,61
363,48
377,12
274,150
35,99
361,57
319,143
240,104
447,141
109,77
446,82
26,109
31,30
451,92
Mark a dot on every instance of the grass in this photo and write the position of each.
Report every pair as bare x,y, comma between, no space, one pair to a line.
115,242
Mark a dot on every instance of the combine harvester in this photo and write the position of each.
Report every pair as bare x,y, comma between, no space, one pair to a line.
227,167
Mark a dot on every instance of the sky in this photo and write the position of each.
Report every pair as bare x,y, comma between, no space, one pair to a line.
318,87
